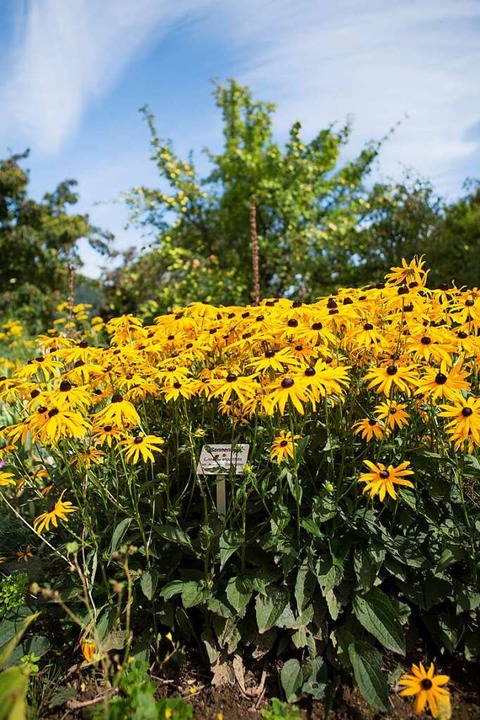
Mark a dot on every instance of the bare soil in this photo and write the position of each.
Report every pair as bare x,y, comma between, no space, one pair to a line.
193,683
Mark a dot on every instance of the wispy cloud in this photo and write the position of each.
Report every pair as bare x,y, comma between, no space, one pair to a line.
416,62
66,54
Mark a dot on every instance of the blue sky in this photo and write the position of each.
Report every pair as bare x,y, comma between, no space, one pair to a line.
74,73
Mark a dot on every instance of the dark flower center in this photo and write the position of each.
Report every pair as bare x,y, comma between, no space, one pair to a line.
107,428
392,370
332,304
384,474
402,290
231,377
426,684
287,383
310,372
408,308
259,318
468,303
348,301
138,440
441,379
269,353
292,323
368,326
284,443
52,412
65,386
117,398
317,326
177,385
393,410
35,393
426,340
372,422
462,335
466,412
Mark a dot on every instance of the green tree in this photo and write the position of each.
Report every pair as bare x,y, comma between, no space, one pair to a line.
454,250
307,201
38,245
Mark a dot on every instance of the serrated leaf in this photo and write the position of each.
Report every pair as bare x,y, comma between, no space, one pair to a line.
270,607
174,534
367,664
230,541
376,614
291,677
192,593
238,594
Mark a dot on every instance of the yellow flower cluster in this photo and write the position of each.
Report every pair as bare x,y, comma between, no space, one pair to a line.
408,347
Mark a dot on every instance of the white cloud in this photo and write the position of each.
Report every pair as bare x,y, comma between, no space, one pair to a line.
323,60
68,52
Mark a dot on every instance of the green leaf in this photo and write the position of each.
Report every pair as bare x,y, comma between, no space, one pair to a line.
229,542
118,534
311,527
291,677
174,534
148,583
238,594
377,615
13,691
367,664
270,607
7,649
193,593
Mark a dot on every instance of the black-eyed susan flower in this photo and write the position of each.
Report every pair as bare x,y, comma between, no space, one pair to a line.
382,479
392,376
464,423
141,446
443,383
392,413
6,478
281,391
428,690
119,412
369,428
105,434
55,423
58,512
283,446
408,272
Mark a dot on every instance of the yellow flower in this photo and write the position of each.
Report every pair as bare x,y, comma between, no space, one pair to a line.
144,445
283,446
408,272
427,687
59,510
393,413
88,649
392,376
369,428
283,390
382,479
443,383
119,412
6,478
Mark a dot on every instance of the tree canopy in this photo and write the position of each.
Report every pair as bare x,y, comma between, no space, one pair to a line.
38,244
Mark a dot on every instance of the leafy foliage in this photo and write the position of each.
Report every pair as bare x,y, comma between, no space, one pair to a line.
38,245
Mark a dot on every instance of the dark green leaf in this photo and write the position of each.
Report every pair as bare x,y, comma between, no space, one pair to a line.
377,615
367,664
